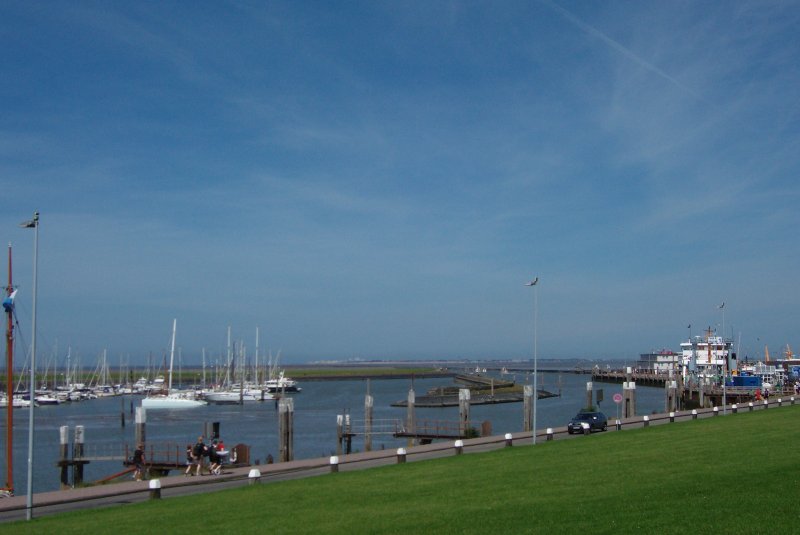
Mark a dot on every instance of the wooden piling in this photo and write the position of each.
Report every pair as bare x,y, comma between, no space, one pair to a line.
671,402
141,420
64,455
368,403
463,410
628,399
339,433
77,454
589,397
286,428
348,435
411,422
527,407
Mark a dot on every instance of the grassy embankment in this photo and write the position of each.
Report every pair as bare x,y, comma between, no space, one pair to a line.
717,475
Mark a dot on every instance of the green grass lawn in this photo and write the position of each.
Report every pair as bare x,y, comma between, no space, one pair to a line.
733,474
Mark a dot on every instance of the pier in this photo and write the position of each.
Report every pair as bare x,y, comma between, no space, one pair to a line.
693,394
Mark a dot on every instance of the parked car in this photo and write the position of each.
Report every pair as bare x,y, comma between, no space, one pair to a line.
596,421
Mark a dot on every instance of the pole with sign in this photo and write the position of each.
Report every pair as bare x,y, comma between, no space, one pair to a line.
618,401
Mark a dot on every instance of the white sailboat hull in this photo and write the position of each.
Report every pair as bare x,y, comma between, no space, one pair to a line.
171,401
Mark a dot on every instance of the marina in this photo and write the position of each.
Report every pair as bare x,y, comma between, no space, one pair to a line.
108,422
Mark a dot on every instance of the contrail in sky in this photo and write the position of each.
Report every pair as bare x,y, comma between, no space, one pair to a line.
615,45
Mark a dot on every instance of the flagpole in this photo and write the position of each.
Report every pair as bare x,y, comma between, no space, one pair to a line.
10,382
34,224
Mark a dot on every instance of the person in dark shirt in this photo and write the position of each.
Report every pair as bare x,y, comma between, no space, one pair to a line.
138,462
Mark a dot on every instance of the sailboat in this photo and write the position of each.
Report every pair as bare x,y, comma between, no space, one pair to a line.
172,400
242,392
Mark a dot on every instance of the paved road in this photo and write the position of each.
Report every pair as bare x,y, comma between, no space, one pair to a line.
15,508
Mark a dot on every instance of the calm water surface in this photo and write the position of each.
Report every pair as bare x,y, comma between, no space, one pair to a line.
315,411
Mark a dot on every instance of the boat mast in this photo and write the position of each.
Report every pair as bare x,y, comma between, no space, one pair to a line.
228,366
172,354
204,368
10,384
255,366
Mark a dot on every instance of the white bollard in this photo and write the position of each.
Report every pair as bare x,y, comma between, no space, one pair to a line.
509,440
401,455
646,420
334,461
549,433
155,489
694,414
254,476
459,446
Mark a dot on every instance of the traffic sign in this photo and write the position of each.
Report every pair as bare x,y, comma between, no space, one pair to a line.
617,398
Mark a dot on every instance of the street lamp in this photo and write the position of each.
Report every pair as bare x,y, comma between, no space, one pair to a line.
34,224
534,283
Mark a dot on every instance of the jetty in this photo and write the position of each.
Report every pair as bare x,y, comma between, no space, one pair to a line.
445,398
484,390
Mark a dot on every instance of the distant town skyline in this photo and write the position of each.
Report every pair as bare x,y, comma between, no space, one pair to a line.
379,180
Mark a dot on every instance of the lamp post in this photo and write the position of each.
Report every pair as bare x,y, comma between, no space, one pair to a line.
34,224
534,283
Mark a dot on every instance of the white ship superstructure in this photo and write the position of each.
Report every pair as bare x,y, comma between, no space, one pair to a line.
707,356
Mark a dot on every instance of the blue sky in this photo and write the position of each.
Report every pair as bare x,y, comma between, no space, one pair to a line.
379,179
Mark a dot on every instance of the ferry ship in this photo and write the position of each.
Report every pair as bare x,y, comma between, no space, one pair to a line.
707,357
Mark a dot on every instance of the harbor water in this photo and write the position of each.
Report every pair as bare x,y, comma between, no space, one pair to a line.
256,424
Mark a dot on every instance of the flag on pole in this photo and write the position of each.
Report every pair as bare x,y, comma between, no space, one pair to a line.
722,305
8,302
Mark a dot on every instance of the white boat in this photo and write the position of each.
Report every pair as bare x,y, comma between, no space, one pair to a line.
172,400
47,399
236,396
281,384
16,401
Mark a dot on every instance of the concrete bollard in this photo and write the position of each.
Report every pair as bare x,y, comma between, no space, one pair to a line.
587,429
780,402
766,404
254,476
334,461
716,411
509,440
646,420
619,425
672,417
459,446
694,414
750,406
155,489
549,433
792,400
735,408
401,455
